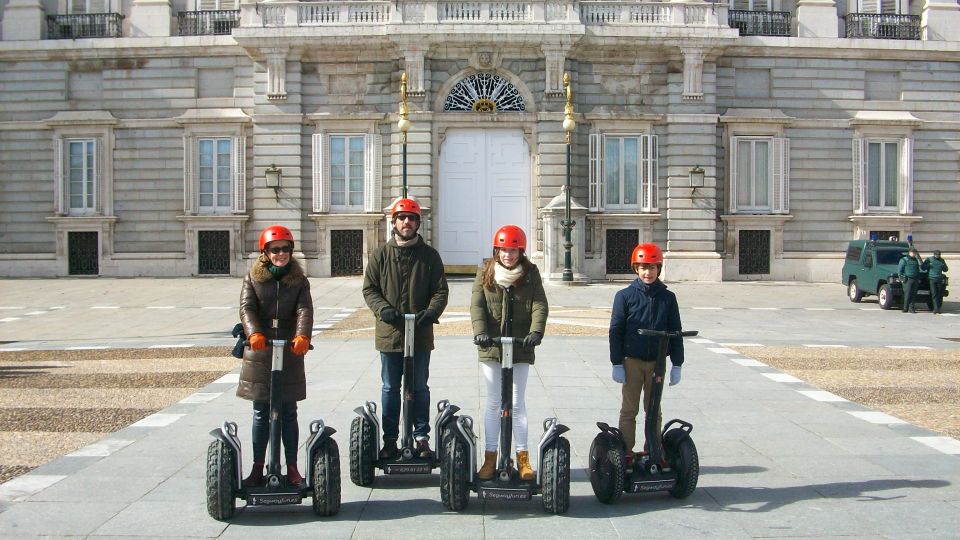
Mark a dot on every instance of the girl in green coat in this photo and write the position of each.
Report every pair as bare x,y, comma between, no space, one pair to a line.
507,278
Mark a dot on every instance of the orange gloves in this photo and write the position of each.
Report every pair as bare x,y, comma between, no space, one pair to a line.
258,341
300,345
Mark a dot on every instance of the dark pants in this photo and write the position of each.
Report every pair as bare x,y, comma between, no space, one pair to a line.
391,373
909,293
936,292
289,430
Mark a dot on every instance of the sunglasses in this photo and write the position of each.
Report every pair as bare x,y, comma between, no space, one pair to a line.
276,250
407,217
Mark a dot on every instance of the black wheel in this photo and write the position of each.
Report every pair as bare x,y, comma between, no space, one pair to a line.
885,297
683,458
853,292
607,470
556,477
326,479
221,471
363,451
455,474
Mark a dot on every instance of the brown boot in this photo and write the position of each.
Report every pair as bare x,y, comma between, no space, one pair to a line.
293,475
256,475
489,466
523,464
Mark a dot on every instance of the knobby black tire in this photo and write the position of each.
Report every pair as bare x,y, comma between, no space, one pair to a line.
687,464
221,503
326,479
556,477
455,474
607,471
363,453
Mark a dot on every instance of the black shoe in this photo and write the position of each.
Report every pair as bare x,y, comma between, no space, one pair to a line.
423,449
913,310
389,450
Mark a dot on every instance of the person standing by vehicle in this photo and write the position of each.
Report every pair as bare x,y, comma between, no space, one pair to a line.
909,270
645,304
405,276
275,303
936,267
507,283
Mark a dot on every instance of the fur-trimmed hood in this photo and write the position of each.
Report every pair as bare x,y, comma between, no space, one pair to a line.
261,274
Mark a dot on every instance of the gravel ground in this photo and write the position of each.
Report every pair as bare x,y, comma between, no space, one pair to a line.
55,402
919,386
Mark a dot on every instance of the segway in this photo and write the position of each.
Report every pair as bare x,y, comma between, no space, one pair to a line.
458,470
672,466
365,434
225,475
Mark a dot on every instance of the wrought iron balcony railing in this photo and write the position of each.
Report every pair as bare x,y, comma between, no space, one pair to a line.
882,26
86,25
760,23
207,23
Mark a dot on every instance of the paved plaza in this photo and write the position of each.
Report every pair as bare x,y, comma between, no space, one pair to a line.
778,457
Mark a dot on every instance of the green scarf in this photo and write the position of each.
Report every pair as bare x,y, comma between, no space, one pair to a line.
278,271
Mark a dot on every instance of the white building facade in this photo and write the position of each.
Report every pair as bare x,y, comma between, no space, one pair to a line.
751,140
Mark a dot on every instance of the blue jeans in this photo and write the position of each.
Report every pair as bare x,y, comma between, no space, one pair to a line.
391,372
289,430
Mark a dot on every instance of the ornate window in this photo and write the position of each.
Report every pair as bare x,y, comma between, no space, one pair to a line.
623,172
347,169
484,92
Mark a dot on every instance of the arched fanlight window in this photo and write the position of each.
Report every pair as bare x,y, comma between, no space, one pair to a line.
484,92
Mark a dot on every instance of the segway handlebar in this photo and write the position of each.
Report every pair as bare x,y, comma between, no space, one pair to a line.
662,333
272,342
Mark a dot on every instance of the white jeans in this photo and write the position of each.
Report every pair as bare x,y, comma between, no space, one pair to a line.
491,417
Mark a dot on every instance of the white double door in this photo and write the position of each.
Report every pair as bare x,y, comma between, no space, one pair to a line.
484,184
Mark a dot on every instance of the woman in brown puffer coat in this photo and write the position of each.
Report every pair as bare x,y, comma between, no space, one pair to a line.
275,303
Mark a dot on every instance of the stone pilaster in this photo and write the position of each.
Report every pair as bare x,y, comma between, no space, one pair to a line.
692,74
151,18
817,18
23,20
940,20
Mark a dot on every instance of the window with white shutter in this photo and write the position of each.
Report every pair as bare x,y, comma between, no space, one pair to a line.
759,175
216,5
882,176
751,5
214,175
347,172
623,172
877,6
79,7
78,176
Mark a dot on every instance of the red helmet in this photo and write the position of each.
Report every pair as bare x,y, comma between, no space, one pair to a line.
275,232
510,236
646,253
405,205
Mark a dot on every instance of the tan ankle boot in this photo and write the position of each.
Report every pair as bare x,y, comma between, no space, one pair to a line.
489,466
523,464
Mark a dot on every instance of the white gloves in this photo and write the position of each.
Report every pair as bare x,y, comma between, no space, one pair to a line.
619,375
674,375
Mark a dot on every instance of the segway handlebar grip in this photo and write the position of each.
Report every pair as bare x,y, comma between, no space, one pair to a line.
662,333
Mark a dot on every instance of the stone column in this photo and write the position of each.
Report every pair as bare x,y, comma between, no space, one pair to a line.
150,18
23,20
939,20
817,18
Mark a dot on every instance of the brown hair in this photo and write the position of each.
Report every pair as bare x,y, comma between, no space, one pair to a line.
488,280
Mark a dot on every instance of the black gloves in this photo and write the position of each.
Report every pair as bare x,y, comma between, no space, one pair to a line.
483,340
389,315
532,340
426,317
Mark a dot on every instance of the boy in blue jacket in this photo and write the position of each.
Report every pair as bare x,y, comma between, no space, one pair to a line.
646,304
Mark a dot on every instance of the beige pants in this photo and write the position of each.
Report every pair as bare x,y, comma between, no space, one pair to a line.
639,378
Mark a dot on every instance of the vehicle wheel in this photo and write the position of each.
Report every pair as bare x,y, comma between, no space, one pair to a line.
455,474
853,292
363,451
607,470
326,479
684,460
556,477
885,297
221,473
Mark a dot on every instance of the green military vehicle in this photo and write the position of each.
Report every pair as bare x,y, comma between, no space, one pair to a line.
870,268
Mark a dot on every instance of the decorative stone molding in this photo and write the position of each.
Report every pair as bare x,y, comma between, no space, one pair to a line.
737,222
276,72
102,225
603,221
370,224
862,225
233,223
692,74
555,57
485,60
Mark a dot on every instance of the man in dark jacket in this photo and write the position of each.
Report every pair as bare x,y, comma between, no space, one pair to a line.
405,276
909,270
645,304
936,267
